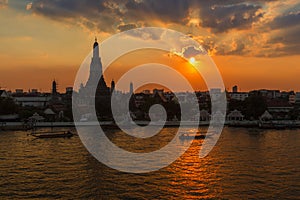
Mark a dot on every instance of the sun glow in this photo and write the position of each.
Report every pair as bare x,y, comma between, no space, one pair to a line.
192,60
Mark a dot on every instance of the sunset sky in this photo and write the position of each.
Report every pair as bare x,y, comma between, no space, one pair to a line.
255,44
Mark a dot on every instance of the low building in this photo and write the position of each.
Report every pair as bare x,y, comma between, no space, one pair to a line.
33,101
19,91
270,94
204,115
217,117
240,96
159,91
169,96
297,97
139,99
34,91
9,118
235,89
36,118
266,116
3,94
215,94
292,98
279,108
146,92
235,115
69,90
182,97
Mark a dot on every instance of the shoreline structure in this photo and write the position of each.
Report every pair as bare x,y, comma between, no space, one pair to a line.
273,124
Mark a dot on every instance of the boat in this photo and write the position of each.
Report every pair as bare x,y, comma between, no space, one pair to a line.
60,134
190,135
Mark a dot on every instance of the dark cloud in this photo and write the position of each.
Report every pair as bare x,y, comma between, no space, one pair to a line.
219,17
166,10
192,51
98,14
67,8
150,34
126,27
289,39
285,21
235,47
222,18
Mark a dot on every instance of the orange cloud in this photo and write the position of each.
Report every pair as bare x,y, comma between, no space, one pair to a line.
3,3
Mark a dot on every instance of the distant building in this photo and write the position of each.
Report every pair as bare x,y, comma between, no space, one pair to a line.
240,96
34,98
3,94
292,98
297,97
169,96
235,115
215,90
69,90
217,117
146,91
139,99
160,91
54,88
36,118
279,108
112,86
131,88
19,91
161,96
266,116
34,91
215,93
182,97
270,94
285,94
9,118
33,101
204,115
235,89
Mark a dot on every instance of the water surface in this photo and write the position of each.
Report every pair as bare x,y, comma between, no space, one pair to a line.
245,163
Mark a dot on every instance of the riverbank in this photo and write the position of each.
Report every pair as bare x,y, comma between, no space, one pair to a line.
273,124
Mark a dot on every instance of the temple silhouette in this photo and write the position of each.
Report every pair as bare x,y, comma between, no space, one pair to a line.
96,87
96,74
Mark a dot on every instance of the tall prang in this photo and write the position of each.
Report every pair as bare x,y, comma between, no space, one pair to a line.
96,73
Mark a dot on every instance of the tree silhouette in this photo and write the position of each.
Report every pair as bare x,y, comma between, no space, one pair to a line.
8,106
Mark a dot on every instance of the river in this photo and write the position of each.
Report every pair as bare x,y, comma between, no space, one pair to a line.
245,163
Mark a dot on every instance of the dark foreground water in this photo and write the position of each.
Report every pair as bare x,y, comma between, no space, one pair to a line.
245,164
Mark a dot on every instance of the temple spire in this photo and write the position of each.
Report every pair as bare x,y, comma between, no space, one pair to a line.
96,48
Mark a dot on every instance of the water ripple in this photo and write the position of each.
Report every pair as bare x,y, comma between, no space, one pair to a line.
243,165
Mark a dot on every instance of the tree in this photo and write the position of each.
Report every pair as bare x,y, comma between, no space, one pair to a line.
294,113
255,106
8,106
234,104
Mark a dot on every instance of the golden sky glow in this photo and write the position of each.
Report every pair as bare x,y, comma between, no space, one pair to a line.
255,49
184,67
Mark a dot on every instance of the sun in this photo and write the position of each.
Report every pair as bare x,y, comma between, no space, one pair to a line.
192,60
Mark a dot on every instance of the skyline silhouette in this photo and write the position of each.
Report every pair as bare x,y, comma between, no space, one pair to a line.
247,40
